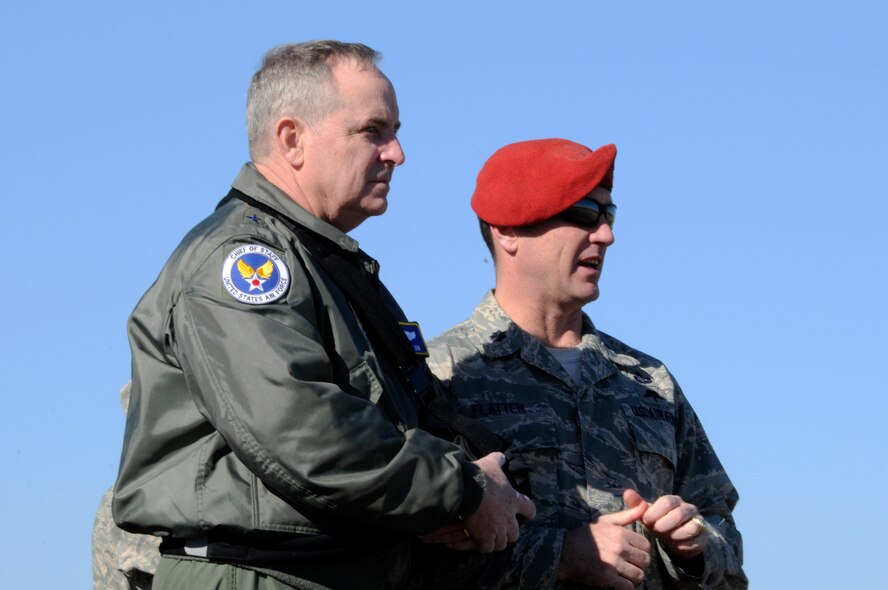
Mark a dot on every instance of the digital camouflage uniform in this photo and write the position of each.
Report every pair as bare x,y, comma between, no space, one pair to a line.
121,560
626,425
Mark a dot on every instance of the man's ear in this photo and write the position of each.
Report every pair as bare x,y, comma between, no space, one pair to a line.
290,140
505,237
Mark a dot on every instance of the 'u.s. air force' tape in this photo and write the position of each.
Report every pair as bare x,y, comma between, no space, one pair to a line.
414,335
254,274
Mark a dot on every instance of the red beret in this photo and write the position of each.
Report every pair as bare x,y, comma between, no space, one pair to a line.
529,181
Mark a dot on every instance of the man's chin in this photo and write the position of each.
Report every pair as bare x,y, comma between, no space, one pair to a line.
588,296
374,205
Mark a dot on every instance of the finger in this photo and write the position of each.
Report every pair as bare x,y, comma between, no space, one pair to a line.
639,542
632,498
631,572
463,545
691,548
616,581
678,518
486,545
525,506
632,565
452,531
625,517
496,456
456,525
690,530
701,522
639,558
448,537
511,533
660,508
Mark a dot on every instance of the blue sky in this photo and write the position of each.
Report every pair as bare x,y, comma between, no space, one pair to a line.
750,251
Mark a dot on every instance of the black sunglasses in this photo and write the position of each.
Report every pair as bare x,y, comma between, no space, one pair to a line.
588,214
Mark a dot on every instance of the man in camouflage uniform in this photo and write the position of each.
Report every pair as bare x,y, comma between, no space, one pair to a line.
627,486
121,560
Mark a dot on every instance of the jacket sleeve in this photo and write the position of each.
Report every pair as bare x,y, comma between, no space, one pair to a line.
701,480
262,376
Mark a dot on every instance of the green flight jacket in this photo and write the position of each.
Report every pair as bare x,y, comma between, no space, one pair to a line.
277,419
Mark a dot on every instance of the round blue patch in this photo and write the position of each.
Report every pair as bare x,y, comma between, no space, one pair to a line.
255,275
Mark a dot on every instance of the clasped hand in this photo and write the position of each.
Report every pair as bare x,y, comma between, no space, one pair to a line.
606,553
494,524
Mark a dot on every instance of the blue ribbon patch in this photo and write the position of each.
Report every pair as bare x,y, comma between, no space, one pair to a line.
414,335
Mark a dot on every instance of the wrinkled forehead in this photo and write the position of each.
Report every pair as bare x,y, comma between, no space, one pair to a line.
360,96
362,81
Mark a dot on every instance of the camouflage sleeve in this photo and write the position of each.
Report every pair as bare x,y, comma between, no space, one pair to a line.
120,560
702,481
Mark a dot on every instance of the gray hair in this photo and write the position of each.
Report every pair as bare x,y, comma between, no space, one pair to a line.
295,80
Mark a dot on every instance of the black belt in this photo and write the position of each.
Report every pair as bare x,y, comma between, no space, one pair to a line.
243,550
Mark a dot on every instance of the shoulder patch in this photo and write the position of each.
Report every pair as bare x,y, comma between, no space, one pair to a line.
254,274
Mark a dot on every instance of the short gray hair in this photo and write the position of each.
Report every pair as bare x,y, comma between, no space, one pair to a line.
294,80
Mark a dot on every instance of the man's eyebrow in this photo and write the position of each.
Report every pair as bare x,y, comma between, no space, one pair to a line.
384,122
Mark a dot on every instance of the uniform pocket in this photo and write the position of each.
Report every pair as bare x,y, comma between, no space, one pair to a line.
656,454
533,454
363,380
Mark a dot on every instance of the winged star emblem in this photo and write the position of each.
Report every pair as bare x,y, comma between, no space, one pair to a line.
255,277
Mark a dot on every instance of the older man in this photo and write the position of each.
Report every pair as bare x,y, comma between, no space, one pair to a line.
628,488
274,436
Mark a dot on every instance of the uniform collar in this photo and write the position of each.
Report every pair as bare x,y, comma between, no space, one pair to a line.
251,182
497,336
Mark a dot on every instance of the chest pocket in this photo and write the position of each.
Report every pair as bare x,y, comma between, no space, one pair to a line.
656,454
533,455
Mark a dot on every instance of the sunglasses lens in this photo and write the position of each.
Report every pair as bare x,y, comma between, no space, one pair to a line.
589,215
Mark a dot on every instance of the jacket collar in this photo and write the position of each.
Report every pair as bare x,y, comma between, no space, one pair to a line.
251,182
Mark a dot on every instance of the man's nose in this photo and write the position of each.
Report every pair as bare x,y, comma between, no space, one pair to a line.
603,234
393,152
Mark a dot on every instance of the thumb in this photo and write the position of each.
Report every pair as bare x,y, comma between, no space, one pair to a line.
637,508
633,498
496,457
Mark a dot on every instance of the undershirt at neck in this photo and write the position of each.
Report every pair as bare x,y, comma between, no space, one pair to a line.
569,358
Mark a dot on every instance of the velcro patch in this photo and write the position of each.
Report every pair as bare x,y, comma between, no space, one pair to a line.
414,335
254,274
